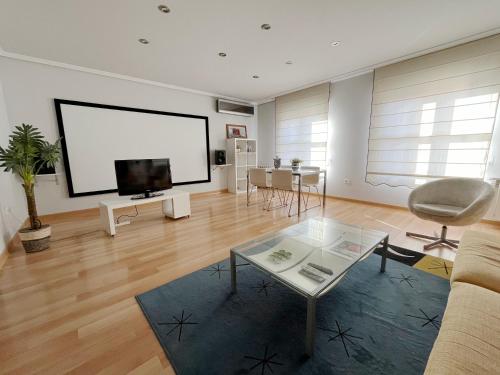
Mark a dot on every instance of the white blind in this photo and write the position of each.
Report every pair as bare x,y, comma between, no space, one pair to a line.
433,116
302,125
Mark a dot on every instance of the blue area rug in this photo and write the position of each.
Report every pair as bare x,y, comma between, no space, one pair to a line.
370,323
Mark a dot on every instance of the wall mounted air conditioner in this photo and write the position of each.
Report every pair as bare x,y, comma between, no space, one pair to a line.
234,108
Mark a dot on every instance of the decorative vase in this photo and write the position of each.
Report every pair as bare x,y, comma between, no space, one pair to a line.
277,162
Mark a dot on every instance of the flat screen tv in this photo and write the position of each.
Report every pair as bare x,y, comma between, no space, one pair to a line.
143,177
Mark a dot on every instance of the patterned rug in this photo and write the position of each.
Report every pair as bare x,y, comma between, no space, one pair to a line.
427,263
370,323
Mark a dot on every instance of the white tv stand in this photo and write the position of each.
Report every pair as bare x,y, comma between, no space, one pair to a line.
176,204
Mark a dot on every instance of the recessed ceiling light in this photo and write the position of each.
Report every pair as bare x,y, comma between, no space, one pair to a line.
163,8
222,54
255,76
265,26
289,62
143,41
335,44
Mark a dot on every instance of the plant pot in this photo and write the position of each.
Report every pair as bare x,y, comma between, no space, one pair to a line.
295,167
35,239
277,163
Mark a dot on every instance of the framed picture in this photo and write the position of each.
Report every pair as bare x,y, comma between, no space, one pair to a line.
236,131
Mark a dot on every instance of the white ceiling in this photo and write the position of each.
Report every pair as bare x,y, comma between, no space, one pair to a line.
102,34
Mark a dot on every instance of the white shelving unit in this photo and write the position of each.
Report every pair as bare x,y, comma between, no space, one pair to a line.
242,154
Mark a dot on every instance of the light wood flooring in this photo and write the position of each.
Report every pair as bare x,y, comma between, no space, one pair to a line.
71,309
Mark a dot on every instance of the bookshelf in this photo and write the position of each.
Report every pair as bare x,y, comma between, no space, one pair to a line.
242,155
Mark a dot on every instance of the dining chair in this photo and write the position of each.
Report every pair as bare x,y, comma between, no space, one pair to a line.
311,181
258,179
282,184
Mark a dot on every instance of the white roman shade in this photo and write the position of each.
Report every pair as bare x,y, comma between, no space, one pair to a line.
433,116
302,125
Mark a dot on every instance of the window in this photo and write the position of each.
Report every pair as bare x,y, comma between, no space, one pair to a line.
302,125
433,116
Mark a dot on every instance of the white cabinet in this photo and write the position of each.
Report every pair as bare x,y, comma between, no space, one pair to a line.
178,206
242,154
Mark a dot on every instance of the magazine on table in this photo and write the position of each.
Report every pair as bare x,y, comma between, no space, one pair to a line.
347,249
286,254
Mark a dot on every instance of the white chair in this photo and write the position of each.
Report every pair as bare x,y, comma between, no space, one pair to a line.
282,184
450,201
311,181
258,179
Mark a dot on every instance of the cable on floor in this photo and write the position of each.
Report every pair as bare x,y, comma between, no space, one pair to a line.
129,216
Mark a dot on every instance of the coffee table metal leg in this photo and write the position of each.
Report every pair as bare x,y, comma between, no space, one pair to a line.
232,259
385,245
310,325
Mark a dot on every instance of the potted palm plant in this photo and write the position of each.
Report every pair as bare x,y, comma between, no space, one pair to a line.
26,154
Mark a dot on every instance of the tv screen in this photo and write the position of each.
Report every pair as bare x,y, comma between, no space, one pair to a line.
142,176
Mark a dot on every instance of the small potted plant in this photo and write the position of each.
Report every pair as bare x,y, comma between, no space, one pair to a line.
296,163
27,153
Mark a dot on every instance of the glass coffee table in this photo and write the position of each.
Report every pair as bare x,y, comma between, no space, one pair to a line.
310,258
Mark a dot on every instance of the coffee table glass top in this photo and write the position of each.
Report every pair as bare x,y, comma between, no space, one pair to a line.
313,255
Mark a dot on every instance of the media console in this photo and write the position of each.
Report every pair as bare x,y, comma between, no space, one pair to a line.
176,204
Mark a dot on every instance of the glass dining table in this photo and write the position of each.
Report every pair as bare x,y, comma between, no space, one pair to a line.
299,173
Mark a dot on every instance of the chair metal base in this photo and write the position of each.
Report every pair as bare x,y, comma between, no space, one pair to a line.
265,192
286,199
438,241
309,193
276,193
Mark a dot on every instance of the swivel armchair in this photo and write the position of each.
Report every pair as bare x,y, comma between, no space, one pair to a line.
450,201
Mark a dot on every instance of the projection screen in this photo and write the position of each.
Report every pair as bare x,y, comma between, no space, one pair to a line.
95,135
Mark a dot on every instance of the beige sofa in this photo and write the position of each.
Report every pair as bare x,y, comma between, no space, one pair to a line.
469,338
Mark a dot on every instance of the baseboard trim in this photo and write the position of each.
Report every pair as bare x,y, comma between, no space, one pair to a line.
371,203
3,256
223,191
491,222
207,193
72,213
11,244
95,210
485,221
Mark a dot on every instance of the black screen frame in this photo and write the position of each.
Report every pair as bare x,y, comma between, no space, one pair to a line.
67,167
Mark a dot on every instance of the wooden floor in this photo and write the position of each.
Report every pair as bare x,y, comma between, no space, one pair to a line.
71,309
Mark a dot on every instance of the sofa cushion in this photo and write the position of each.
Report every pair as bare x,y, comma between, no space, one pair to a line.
469,338
478,260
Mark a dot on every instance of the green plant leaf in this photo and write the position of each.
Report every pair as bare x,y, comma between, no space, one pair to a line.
26,153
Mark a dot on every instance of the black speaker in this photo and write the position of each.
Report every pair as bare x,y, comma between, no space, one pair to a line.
220,157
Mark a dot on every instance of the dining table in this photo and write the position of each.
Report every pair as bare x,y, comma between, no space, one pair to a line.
299,173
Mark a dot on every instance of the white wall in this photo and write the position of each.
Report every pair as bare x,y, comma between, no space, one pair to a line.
31,87
267,132
349,117
349,122
12,202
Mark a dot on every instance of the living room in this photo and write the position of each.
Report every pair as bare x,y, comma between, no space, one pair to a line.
249,188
